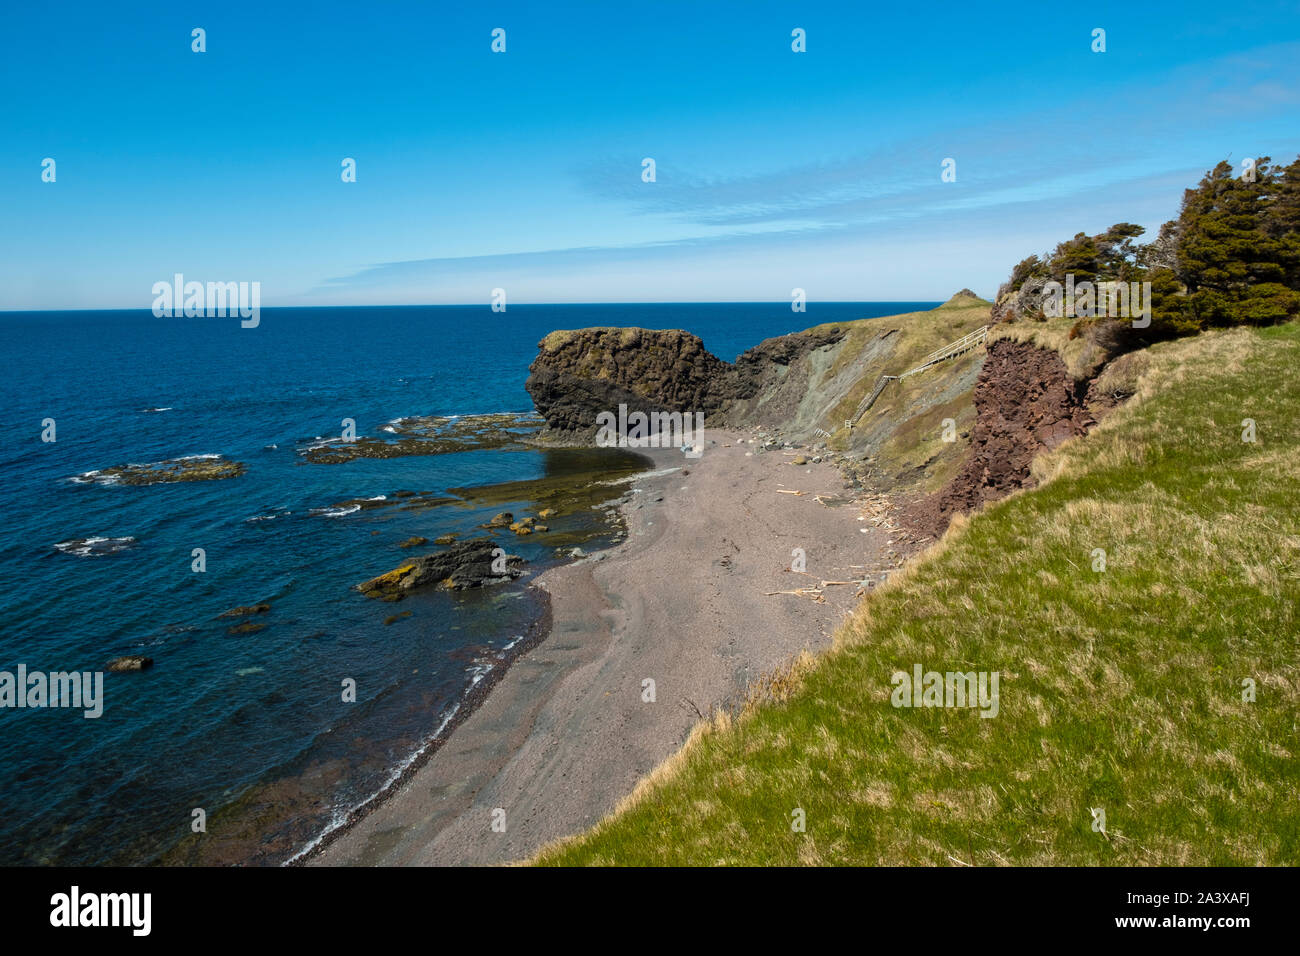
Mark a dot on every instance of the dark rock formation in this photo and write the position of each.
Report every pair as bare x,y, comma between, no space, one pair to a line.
579,374
246,611
768,362
468,564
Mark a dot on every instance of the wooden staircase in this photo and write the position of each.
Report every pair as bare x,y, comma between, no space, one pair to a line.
964,344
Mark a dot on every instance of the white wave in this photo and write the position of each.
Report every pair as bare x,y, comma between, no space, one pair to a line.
327,442
94,547
334,512
340,816
340,511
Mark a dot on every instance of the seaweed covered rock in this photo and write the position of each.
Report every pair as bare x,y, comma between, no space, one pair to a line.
467,564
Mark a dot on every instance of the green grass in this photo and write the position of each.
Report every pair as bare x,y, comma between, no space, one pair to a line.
1120,690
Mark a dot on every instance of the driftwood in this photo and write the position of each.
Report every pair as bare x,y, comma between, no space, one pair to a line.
813,592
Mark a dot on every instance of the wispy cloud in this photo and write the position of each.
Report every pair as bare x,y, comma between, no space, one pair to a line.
1112,157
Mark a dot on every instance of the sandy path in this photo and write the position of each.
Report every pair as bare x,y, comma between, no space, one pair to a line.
565,734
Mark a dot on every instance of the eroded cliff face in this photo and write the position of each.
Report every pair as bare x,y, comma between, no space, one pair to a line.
1026,403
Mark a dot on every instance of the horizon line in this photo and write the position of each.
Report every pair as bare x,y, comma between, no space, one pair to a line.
488,305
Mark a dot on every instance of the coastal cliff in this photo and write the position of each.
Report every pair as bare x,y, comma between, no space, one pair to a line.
961,433
798,390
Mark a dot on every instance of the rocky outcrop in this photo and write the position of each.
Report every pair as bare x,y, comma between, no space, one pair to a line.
468,564
578,374
1026,403
132,662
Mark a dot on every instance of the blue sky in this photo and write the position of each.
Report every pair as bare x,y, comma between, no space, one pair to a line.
522,170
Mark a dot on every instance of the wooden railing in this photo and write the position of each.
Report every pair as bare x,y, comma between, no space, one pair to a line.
951,350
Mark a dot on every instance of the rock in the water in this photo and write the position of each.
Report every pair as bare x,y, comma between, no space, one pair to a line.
132,662
246,611
504,520
468,564
194,468
413,542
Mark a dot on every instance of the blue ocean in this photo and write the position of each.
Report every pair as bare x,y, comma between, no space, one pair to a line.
246,728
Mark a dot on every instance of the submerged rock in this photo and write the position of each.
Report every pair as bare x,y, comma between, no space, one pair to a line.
468,564
195,468
246,611
428,435
413,542
132,662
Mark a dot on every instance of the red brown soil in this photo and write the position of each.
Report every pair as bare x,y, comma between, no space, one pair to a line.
1026,403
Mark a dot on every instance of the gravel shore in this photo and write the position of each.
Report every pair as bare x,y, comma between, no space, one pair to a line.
682,602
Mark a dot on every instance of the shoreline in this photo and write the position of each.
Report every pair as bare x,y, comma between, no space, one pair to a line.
462,710
568,732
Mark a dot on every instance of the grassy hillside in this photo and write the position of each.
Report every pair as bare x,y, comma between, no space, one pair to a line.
1120,689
